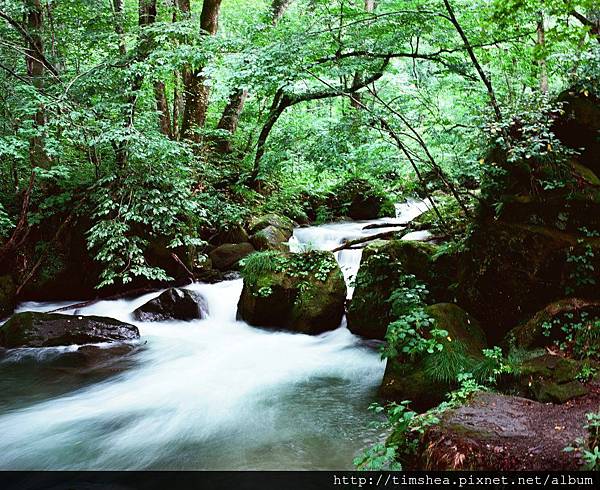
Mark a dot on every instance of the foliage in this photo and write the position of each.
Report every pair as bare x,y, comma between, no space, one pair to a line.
579,334
589,449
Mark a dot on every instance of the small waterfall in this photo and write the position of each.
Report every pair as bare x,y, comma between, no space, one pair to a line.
332,235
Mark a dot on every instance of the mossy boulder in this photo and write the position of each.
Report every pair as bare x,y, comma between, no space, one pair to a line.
511,270
270,238
34,329
536,332
228,256
551,379
7,296
303,292
282,223
382,265
172,304
423,379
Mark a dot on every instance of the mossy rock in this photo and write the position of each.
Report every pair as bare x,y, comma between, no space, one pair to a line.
551,379
415,379
284,224
382,265
270,238
532,334
303,293
509,271
7,296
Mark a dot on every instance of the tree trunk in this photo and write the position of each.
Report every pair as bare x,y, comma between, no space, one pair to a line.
35,70
196,90
229,120
541,43
180,77
233,110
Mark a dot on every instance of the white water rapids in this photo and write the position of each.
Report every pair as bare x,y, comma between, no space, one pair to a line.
206,394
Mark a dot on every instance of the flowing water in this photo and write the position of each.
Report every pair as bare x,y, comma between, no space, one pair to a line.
206,394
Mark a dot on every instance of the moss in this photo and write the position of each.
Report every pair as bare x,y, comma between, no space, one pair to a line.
301,292
413,379
284,224
270,238
382,265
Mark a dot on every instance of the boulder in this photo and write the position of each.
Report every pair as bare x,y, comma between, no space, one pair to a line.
303,292
34,329
502,433
7,296
382,265
172,304
270,238
360,199
421,379
511,270
533,333
285,225
233,234
551,379
227,256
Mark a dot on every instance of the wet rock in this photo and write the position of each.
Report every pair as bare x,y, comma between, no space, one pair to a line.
499,432
418,378
381,267
303,293
270,238
7,296
34,329
172,304
227,256
359,199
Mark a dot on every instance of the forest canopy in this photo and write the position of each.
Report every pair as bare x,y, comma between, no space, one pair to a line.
137,122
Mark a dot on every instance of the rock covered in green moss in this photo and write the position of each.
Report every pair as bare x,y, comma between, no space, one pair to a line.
35,329
540,330
360,199
509,271
284,224
300,292
382,265
271,238
425,379
7,296
551,379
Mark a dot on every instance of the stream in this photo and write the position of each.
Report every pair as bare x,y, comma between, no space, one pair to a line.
206,394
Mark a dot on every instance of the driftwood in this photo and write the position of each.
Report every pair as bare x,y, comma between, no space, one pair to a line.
358,241
374,226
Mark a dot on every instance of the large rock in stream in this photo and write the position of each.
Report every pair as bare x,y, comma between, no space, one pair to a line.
303,292
228,256
172,304
382,265
34,329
